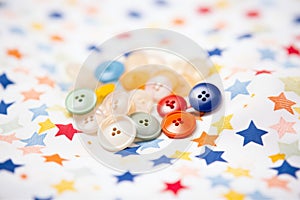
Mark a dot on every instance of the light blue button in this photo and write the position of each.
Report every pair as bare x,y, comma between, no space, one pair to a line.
109,71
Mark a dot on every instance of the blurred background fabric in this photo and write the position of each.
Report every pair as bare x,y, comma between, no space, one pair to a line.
255,47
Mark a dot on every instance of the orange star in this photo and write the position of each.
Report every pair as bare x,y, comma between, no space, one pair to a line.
14,53
45,80
205,139
276,182
31,94
281,102
56,38
54,158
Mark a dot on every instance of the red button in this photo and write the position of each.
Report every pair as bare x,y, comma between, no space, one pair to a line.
170,104
178,124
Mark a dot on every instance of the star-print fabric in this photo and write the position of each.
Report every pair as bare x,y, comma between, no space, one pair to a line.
251,153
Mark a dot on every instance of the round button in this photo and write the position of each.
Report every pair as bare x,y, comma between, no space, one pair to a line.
158,87
116,133
103,90
80,101
86,123
142,100
205,97
170,104
147,126
116,102
178,124
109,71
136,78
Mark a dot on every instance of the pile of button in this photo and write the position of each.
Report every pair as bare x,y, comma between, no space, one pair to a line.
121,116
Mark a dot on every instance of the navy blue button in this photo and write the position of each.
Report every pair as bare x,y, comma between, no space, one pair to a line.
205,97
109,71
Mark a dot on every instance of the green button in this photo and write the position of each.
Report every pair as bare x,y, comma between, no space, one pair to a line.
147,126
81,101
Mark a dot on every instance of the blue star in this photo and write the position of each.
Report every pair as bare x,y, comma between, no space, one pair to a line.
162,160
297,19
64,86
35,139
215,52
56,15
47,198
161,2
289,64
39,111
238,88
211,156
252,134
149,144
128,151
93,48
134,14
127,176
4,107
49,67
245,36
8,165
17,30
4,81
266,54
258,196
219,180
286,168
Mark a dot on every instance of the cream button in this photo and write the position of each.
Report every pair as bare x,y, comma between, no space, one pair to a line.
158,87
141,100
86,123
116,102
116,133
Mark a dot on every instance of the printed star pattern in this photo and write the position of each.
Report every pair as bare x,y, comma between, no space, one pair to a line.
238,88
281,102
252,134
283,127
66,130
9,166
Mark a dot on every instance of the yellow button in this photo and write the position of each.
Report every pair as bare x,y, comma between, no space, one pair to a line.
103,90
135,78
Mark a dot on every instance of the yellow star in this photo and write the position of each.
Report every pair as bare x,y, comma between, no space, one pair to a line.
63,186
61,109
182,155
276,157
215,69
223,123
232,195
237,172
292,84
297,110
45,125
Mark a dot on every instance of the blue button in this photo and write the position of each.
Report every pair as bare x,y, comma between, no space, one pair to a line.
205,97
109,71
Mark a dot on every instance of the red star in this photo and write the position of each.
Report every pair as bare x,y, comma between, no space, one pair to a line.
66,130
174,187
252,14
292,50
262,72
203,10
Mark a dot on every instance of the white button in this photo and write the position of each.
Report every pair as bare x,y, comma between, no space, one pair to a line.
158,87
141,100
86,123
116,132
116,102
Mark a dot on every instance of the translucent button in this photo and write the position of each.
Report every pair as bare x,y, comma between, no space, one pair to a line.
116,133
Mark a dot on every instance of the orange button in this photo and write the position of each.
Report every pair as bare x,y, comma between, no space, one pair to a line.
178,124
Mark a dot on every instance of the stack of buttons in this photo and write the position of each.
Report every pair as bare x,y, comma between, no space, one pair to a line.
119,117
